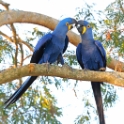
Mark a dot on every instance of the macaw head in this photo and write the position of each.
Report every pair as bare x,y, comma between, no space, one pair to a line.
69,23
65,25
83,27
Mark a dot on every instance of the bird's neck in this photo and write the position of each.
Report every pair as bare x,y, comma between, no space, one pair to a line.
87,40
60,33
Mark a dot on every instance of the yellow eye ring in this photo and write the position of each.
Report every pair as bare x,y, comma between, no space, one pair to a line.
67,23
88,26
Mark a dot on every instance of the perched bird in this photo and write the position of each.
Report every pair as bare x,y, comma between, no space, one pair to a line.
91,56
48,50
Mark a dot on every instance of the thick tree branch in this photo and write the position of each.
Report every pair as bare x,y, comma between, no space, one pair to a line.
12,16
63,72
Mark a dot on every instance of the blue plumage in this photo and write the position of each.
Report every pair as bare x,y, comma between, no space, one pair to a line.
48,50
91,55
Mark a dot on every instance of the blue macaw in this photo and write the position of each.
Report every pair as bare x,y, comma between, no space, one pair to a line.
48,50
91,56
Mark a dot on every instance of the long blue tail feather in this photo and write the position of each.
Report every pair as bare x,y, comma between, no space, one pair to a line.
98,99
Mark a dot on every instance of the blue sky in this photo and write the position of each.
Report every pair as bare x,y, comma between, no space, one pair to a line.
67,99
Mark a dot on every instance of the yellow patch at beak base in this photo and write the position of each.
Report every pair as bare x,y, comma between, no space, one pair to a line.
84,29
70,27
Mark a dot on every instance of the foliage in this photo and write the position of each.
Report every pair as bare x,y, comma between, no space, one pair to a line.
38,107
5,49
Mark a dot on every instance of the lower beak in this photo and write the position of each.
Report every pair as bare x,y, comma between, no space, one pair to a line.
70,26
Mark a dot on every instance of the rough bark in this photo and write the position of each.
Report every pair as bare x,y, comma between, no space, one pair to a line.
8,75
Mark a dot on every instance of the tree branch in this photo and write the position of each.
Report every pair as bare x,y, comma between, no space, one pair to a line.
27,57
115,78
22,54
6,5
19,39
12,16
6,36
121,7
19,16
25,43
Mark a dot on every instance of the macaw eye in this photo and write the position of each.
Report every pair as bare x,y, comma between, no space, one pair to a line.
88,26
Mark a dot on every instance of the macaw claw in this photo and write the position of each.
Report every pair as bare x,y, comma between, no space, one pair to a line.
102,69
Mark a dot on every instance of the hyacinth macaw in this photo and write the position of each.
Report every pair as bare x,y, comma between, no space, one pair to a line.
91,56
48,50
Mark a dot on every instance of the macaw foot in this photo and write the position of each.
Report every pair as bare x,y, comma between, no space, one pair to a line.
85,69
47,66
102,69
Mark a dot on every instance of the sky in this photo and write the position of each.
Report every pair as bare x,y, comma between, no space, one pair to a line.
72,106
